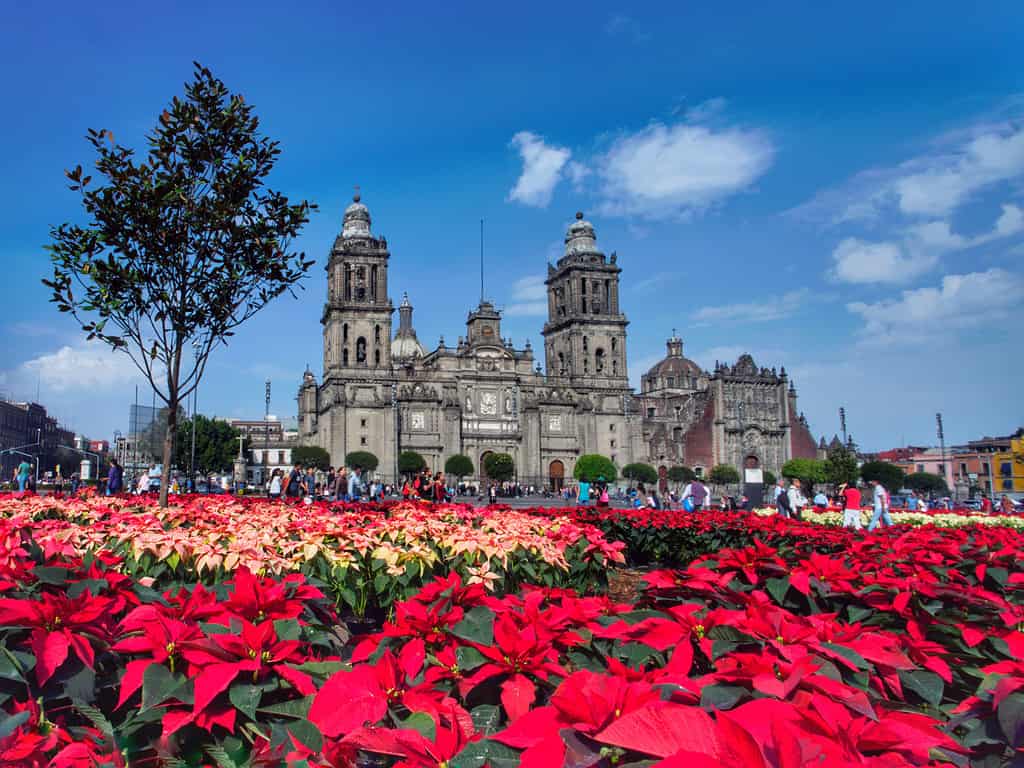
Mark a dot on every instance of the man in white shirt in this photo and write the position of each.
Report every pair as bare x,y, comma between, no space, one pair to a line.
797,500
881,502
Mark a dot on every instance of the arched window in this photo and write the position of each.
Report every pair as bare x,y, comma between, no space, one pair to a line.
615,367
598,360
561,363
376,357
614,345
376,334
344,333
360,350
344,356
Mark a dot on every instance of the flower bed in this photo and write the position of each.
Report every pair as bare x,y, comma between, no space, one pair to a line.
818,649
365,556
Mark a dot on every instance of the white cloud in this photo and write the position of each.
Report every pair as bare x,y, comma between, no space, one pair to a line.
577,173
948,180
752,312
665,171
931,185
90,365
1010,222
706,110
542,169
529,296
857,261
959,302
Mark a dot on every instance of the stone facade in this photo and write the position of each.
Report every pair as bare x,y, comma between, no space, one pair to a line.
387,394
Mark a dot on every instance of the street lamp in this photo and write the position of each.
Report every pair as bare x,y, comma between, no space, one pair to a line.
842,424
394,406
942,448
266,435
195,406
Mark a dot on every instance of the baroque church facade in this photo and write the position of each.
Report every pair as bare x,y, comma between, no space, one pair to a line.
384,392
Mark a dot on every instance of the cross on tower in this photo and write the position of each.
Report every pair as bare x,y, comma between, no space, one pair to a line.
240,439
357,195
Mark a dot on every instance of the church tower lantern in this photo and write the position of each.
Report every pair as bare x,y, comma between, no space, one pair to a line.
358,312
585,335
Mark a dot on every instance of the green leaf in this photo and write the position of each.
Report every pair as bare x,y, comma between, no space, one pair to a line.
159,685
468,658
477,626
927,685
1011,719
298,708
422,723
51,575
307,733
322,669
245,698
849,654
486,718
10,724
288,629
486,752
721,696
778,588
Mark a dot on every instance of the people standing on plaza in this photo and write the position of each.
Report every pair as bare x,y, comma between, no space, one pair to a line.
355,483
782,501
440,493
911,503
796,498
492,493
115,478
880,500
986,504
820,501
583,499
21,475
274,489
339,491
699,494
293,488
851,506
309,483
1006,505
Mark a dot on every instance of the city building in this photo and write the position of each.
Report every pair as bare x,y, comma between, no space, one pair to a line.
1008,467
387,393
26,427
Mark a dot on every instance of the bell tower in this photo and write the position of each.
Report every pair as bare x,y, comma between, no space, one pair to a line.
357,315
585,335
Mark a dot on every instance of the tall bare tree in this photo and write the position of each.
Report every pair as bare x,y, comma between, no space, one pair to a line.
181,247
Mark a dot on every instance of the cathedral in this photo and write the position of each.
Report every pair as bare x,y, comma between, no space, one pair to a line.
383,392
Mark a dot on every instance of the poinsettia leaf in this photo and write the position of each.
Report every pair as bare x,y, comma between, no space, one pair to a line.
476,626
927,685
849,654
722,696
517,696
778,588
422,723
9,724
245,698
486,752
348,700
298,708
159,685
52,575
1011,719
486,718
306,733
468,658
662,729
288,629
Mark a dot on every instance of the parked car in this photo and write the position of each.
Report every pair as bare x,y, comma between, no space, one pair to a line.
972,504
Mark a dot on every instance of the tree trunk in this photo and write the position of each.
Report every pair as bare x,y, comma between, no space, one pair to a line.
172,429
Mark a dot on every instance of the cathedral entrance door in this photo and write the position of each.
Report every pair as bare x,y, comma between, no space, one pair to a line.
556,473
663,479
751,462
483,467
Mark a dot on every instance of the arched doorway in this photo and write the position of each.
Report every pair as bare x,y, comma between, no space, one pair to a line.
556,473
483,466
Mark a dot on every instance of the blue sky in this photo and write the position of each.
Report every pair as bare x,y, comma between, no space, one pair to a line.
835,188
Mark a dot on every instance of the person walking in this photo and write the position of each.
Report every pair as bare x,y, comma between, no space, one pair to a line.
880,499
700,495
782,501
583,499
1006,505
115,478
797,500
911,504
986,504
355,484
274,489
850,495
21,475
293,487
339,491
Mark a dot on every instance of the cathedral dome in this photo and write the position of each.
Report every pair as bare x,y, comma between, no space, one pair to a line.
580,237
356,222
405,346
674,371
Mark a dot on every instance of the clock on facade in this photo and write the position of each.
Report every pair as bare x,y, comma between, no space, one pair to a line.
417,420
555,423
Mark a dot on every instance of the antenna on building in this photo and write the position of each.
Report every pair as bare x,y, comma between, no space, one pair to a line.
481,261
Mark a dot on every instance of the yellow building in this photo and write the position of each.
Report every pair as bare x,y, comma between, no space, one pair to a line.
1008,467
